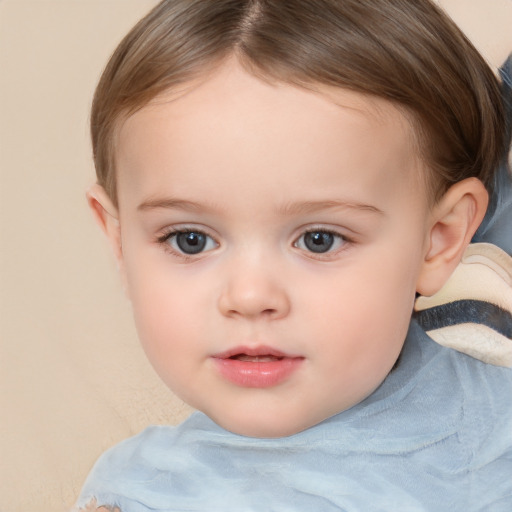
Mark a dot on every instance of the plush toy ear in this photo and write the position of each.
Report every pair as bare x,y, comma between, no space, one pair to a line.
453,222
107,217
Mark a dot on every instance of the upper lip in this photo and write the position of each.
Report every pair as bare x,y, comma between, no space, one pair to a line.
260,350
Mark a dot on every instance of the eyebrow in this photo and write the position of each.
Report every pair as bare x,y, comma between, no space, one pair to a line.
173,204
300,207
315,206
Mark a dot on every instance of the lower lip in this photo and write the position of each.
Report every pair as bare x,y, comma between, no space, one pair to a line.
261,374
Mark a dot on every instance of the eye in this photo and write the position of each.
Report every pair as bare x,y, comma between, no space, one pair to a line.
190,242
320,241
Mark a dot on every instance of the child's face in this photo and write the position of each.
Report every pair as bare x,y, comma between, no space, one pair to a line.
272,240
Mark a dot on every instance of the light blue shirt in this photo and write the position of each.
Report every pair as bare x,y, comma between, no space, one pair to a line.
436,436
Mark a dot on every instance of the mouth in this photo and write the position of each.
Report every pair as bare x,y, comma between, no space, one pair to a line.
255,359
258,367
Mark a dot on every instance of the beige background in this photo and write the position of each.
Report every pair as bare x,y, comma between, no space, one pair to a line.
73,380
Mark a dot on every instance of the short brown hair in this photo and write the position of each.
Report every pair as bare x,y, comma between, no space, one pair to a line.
406,51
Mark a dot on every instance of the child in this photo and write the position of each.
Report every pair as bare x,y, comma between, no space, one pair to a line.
278,181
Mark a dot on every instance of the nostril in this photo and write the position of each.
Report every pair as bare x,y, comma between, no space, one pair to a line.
264,313
253,298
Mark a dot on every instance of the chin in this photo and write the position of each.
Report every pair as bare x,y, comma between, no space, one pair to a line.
263,431
269,426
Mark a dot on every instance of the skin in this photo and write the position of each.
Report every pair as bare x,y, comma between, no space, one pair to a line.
255,166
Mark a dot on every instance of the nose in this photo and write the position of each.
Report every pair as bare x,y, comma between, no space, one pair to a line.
254,293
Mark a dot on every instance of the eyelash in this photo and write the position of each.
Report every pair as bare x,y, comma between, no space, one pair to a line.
165,241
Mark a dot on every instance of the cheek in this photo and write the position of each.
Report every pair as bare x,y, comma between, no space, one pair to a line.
167,327
165,307
365,310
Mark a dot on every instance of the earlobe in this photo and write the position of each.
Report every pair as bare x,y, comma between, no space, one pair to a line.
454,220
107,217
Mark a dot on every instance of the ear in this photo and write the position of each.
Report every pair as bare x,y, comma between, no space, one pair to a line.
453,222
107,217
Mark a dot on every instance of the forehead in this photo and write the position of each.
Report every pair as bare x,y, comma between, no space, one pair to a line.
236,124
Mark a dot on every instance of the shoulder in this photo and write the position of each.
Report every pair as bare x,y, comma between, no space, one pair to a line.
142,472
120,477
473,400
133,453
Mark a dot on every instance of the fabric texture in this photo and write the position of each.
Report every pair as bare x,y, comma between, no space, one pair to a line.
435,436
